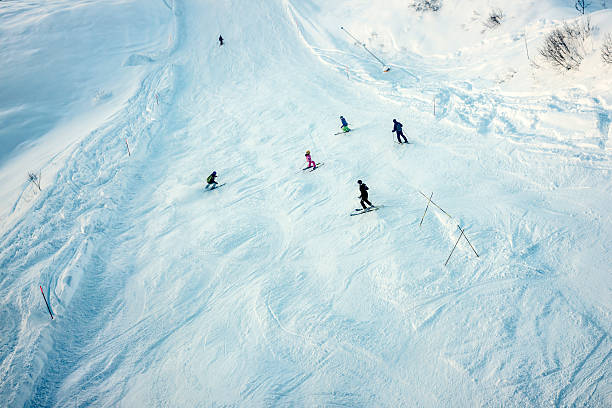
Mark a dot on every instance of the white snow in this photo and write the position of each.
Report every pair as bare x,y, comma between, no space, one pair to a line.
265,292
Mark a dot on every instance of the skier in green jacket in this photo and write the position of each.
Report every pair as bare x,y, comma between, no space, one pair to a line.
210,180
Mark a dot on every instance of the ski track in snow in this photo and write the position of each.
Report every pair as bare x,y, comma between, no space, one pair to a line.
266,292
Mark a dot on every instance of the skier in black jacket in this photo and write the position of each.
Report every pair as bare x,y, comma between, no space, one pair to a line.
220,41
397,127
363,189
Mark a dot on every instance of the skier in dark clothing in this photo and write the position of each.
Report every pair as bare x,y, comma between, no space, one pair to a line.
344,125
397,127
363,189
210,180
220,41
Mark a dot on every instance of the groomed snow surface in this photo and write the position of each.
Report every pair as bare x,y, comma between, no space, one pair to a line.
265,292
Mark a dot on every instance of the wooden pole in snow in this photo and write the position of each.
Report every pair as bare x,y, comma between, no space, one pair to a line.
428,201
47,303
386,68
526,48
468,241
449,216
128,147
454,247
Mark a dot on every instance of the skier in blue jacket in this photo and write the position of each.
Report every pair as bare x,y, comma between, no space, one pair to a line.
397,128
344,125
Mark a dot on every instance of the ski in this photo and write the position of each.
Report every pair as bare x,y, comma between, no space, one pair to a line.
339,133
313,169
359,211
214,188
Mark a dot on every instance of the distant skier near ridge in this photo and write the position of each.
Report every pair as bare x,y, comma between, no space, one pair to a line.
311,162
397,127
220,41
363,190
344,125
210,180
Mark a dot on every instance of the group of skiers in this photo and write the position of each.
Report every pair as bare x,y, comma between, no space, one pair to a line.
397,128
363,188
211,183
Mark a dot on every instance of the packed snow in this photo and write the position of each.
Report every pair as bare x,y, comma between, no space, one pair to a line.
483,279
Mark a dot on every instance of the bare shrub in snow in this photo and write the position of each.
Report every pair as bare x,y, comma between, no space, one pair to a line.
581,5
495,18
35,179
606,49
427,5
564,46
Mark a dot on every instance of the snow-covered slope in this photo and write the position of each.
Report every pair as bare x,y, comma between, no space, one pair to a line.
265,291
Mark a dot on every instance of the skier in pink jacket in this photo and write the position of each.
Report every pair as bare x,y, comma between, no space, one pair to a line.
311,162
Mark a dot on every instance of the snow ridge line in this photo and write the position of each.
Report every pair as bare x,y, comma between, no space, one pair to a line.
294,17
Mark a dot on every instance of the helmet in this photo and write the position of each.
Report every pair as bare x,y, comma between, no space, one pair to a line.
341,116
307,151
394,120
359,182
214,173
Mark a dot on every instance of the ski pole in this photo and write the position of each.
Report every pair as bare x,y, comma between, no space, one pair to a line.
47,303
